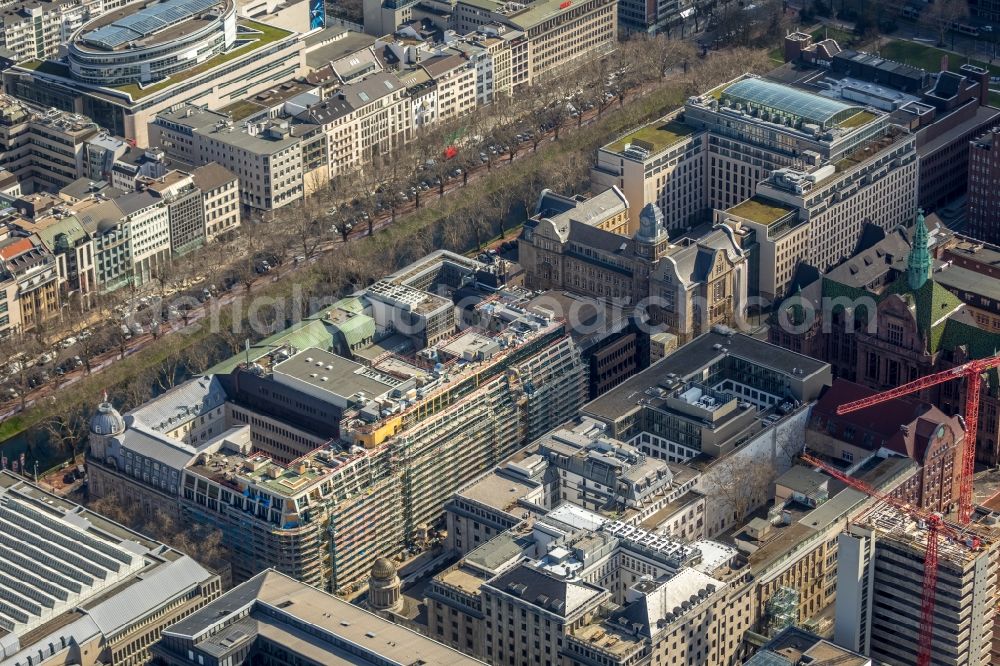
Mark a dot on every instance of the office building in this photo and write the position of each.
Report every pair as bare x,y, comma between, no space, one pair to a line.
186,210
266,155
797,646
575,587
653,17
880,578
30,282
904,427
148,222
578,513
916,326
360,121
578,464
80,589
371,449
585,246
274,618
125,103
143,46
789,196
37,29
220,199
66,239
46,151
556,36
983,199
944,110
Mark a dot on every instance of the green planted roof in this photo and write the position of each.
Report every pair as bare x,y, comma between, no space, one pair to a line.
656,136
762,211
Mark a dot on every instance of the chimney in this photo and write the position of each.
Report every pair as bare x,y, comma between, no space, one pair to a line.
944,62
980,75
795,44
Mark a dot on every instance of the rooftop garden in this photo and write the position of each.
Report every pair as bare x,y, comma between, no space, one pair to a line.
241,109
261,34
46,67
761,211
857,120
658,135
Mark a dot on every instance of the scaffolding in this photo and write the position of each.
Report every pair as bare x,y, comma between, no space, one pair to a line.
782,610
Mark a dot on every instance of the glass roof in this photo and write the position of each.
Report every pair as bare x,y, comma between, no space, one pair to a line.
779,98
146,21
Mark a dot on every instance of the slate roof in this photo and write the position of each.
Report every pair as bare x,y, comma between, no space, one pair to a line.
135,201
169,452
184,402
556,595
352,97
212,176
649,609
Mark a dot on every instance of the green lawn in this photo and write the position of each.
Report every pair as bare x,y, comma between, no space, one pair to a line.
843,37
928,57
241,109
858,119
46,67
267,35
760,211
658,135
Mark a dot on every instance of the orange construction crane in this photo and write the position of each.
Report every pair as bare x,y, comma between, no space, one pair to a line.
971,371
936,528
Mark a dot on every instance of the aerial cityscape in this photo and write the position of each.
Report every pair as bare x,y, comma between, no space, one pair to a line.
499,332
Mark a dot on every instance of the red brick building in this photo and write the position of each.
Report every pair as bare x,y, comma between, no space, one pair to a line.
903,427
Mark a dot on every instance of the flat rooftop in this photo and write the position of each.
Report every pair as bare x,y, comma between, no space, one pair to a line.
762,211
152,24
692,358
346,634
462,578
654,137
334,374
497,491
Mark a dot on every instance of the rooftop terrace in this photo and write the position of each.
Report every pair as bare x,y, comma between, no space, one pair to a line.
654,137
762,211
259,35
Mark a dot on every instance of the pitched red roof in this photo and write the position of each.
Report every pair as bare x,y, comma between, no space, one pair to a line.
903,425
19,246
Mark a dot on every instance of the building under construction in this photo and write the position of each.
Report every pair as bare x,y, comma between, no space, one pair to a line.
317,464
880,578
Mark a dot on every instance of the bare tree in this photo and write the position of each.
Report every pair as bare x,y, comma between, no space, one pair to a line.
741,484
67,430
303,225
941,15
202,542
20,370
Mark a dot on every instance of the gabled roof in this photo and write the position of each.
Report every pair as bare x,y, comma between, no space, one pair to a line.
14,247
903,425
931,306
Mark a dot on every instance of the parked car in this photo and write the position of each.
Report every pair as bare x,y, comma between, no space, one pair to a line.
68,342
